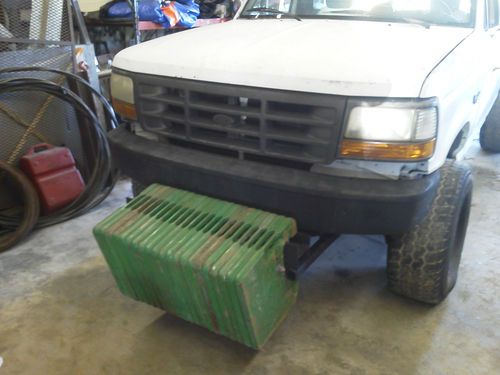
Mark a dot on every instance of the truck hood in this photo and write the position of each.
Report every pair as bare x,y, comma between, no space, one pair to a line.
355,58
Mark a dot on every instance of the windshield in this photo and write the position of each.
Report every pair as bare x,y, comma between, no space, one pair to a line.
425,12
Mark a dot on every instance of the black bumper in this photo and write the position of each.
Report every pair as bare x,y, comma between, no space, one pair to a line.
319,203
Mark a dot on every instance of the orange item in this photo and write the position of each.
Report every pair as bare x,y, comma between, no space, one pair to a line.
171,13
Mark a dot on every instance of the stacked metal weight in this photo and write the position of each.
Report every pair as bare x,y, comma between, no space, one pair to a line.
213,263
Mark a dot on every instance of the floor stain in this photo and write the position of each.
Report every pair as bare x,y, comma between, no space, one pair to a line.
61,313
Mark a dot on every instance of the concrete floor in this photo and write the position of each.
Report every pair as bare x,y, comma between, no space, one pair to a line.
60,311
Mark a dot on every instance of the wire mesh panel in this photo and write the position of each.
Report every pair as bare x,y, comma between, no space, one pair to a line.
54,120
36,20
36,33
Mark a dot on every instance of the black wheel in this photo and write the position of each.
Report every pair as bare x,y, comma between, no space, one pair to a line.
423,263
490,132
137,188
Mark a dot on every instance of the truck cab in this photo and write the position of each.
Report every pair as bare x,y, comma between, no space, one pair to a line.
349,116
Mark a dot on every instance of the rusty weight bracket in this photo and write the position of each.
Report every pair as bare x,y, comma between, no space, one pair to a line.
302,250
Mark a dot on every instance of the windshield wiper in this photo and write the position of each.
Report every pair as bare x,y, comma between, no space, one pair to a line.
414,21
259,10
367,15
265,10
347,12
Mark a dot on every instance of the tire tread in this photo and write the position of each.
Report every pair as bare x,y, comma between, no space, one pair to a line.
490,132
417,260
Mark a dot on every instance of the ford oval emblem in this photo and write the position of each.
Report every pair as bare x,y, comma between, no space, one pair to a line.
224,120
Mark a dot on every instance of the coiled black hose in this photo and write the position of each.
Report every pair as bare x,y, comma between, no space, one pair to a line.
103,176
30,203
107,106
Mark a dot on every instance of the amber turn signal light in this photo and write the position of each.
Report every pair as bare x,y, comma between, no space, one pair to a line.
387,151
124,109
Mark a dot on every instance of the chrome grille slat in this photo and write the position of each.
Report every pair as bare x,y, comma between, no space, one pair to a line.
306,140
225,109
299,120
212,126
302,127
163,99
166,116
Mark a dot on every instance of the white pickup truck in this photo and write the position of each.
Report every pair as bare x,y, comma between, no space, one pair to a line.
349,116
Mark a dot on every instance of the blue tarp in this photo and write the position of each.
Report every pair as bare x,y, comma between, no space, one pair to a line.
181,13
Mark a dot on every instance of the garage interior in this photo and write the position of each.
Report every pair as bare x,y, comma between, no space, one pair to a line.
61,308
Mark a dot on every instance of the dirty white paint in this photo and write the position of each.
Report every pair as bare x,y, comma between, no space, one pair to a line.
321,56
341,57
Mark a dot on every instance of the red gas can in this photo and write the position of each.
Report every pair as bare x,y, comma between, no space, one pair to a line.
53,171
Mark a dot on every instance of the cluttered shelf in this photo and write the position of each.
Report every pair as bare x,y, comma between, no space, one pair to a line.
155,16
147,25
91,22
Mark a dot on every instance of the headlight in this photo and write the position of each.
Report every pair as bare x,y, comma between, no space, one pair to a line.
391,130
122,95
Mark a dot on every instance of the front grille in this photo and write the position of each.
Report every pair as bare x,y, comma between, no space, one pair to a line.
245,120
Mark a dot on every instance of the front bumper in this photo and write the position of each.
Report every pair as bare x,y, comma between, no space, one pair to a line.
320,203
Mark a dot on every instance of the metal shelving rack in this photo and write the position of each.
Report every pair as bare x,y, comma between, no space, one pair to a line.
141,26
149,26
